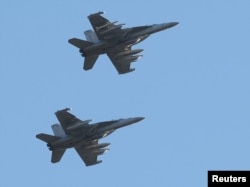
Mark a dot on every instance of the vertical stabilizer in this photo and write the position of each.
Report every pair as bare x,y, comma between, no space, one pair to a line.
91,36
57,154
58,130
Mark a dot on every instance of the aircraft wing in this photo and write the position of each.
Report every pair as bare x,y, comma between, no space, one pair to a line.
103,28
90,152
66,119
122,58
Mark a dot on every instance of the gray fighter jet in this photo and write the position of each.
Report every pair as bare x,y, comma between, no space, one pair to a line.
109,37
73,132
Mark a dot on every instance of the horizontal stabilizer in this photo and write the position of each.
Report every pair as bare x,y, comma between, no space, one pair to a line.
89,62
57,155
47,138
81,44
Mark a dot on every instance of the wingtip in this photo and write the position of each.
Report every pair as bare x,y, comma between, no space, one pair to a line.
98,13
66,109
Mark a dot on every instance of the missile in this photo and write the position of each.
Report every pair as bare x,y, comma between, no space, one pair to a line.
105,25
97,146
115,27
134,41
83,123
129,52
131,42
131,59
96,152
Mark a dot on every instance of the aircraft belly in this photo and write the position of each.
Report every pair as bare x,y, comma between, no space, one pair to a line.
100,133
63,143
134,39
96,49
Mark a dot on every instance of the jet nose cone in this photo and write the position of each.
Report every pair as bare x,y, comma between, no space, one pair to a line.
138,119
172,24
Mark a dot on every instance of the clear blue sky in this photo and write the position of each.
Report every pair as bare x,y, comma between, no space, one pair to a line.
192,87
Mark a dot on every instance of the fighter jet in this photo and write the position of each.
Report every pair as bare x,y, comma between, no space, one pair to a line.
73,132
110,38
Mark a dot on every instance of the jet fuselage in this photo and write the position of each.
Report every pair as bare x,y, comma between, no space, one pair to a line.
93,132
130,37
80,135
